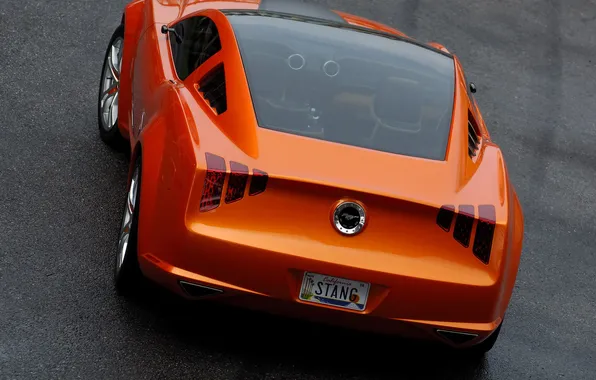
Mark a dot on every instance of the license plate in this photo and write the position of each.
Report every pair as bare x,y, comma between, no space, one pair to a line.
334,291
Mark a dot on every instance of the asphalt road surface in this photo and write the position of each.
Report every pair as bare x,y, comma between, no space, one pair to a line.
61,192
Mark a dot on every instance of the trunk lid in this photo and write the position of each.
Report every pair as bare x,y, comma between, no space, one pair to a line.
401,197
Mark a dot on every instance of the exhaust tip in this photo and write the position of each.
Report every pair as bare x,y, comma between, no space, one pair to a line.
198,291
456,337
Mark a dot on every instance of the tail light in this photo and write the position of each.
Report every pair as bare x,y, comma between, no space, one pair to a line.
463,225
237,182
215,178
258,182
214,182
485,232
445,217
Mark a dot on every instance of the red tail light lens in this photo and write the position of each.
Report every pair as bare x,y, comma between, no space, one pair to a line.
485,232
463,225
214,182
237,182
258,182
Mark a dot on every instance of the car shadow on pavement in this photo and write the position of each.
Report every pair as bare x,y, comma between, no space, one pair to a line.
261,340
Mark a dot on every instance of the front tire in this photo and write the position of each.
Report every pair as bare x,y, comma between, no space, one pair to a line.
128,276
109,91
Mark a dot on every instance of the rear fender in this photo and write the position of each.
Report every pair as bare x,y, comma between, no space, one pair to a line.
169,162
512,248
133,21
149,148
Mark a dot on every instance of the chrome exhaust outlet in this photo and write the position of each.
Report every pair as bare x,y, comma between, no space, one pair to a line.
198,291
456,337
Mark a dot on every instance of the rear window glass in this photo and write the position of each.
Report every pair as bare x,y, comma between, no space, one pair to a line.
346,86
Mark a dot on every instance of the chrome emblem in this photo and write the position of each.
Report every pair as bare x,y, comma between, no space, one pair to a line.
349,218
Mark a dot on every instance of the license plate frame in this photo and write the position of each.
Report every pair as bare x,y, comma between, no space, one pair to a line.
340,292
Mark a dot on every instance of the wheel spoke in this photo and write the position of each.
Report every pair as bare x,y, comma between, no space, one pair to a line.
127,219
113,70
122,247
107,103
110,90
131,206
110,85
126,228
120,52
133,192
114,110
105,110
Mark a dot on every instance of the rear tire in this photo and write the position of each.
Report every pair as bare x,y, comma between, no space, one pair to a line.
109,91
486,345
127,275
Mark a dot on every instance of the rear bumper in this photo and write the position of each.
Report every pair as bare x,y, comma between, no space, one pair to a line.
179,281
253,276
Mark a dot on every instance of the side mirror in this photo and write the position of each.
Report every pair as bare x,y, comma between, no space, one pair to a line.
472,87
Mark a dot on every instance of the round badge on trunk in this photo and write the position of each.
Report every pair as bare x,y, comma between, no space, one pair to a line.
349,218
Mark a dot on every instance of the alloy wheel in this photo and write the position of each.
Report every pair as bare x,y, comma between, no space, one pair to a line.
127,220
110,85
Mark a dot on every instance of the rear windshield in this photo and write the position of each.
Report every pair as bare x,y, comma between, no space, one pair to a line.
342,85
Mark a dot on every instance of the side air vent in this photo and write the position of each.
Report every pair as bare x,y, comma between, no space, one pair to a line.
473,138
213,88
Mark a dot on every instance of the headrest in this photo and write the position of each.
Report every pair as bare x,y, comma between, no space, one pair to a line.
398,100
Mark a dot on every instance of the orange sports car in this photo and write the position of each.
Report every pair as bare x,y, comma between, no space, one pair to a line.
305,161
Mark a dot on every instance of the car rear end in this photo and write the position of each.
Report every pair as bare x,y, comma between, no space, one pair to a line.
402,232
416,259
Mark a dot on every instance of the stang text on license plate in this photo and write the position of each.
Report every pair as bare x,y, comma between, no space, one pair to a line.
334,291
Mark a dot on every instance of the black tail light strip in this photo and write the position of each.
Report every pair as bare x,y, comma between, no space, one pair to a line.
464,222
485,232
237,182
463,225
258,182
215,177
445,217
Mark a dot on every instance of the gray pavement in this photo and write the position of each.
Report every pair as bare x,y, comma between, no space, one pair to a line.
61,192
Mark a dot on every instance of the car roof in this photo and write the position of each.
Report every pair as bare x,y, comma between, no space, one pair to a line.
319,15
298,8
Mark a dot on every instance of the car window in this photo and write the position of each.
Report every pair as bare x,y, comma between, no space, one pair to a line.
200,41
339,84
